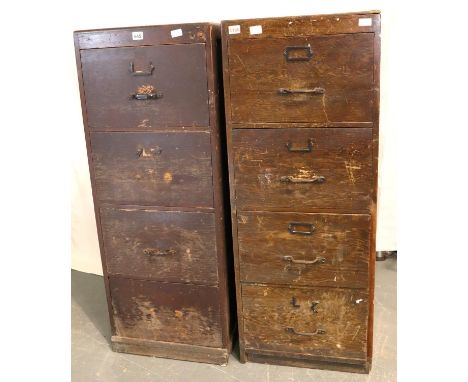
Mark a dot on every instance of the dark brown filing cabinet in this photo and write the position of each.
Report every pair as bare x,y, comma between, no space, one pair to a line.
302,111
150,104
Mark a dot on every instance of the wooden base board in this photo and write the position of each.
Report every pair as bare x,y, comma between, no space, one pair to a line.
311,362
185,352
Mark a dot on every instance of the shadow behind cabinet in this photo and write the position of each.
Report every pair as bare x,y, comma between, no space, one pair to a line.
151,113
302,113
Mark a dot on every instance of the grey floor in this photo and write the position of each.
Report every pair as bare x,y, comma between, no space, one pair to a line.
92,359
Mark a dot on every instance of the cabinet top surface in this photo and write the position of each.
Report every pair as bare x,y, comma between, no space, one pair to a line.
188,33
356,22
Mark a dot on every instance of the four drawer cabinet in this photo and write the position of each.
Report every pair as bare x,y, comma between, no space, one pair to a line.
302,113
150,106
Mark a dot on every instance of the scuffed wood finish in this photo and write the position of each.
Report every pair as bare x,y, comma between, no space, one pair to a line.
152,35
166,312
341,65
160,245
157,181
322,321
298,26
171,350
179,74
311,156
165,169
337,250
342,156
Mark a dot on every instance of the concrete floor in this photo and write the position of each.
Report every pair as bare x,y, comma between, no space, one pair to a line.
92,359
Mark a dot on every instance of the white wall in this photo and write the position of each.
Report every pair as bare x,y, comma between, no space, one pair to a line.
107,14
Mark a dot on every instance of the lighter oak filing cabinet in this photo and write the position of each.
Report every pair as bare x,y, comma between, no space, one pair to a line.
150,108
302,113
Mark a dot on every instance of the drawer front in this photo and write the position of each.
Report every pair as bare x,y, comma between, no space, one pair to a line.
160,245
304,249
164,169
172,77
322,79
323,322
166,312
295,169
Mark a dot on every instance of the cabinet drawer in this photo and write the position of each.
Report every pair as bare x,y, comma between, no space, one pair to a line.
164,169
166,312
117,80
325,322
296,169
160,245
321,79
304,249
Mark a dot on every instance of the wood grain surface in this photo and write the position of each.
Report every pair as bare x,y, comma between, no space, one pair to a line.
162,169
343,156
167,246
285,319
179,74
166,311
340,65
335,254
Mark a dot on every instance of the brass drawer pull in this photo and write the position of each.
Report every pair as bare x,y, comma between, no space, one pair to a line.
294,331
285,91
151,153
292,179
294,228
158,252
306,49
317,260
307,149
134,72
146,96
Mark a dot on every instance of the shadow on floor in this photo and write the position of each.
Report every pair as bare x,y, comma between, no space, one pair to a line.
87,291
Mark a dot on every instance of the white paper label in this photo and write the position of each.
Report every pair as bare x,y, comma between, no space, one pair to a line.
366,22
137,35
256,29
176,33
234,29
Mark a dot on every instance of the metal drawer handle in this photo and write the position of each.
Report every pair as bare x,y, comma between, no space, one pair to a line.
292,179
307,51
313,304
158,252
285,91
134,72
146,96
317,260
294,228
294,331
307,149
151,153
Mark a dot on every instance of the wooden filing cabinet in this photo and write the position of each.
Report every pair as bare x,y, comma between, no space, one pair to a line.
150,106
302,113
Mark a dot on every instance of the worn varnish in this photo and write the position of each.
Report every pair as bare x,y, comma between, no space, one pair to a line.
301,169
304,249
165,169
150,102
340,66
325,322
302,112
166,312
176,72
170,246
